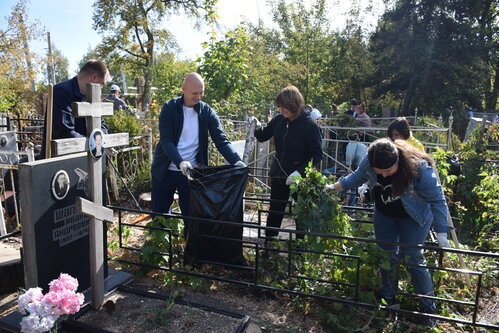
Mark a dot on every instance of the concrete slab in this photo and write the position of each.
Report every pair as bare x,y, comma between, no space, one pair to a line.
9,255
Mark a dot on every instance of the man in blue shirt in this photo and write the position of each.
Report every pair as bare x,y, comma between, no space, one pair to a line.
184,124
118,103
64,124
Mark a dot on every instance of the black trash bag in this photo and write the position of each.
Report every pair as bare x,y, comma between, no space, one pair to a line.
216,194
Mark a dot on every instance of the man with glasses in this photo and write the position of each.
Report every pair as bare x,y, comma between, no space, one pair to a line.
64,124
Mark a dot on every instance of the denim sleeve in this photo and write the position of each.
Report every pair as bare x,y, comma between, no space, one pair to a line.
428,187
356,178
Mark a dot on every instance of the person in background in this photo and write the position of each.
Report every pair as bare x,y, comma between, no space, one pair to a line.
314,113
363,120
118,103
64,123
297,140
184,125
399,129
334,110
351,111
408,200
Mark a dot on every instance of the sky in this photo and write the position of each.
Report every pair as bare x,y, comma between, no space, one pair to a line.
70,24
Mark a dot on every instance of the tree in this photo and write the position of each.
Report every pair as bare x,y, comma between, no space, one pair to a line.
487,22
18,65
224,65
61,65
304,40
132,32
168,77
426,53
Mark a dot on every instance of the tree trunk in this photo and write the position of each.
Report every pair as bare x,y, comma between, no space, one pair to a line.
408,96
146,97
491,101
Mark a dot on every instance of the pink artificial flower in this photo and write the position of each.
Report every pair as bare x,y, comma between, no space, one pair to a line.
30,296
65,281
71,301
41,312
52,298
31,324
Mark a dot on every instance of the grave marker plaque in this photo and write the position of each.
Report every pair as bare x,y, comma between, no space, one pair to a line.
55,234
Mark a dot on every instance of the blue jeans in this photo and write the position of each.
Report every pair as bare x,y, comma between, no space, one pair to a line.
162,192
404,230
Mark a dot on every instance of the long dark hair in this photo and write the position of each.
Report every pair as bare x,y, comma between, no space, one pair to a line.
384,153
401,125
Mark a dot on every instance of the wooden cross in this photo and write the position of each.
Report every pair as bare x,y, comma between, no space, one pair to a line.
93,110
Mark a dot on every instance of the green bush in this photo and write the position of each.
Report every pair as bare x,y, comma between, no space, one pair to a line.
120,122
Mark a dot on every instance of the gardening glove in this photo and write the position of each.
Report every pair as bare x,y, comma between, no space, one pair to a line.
329,187
292,177
240,164
442,239
258,124
186,167
363,189
362,192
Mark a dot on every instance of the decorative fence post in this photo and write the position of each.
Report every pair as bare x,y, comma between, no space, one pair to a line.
439,126
449,134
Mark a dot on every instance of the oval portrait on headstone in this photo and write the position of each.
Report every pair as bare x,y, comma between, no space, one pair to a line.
60,184
95,143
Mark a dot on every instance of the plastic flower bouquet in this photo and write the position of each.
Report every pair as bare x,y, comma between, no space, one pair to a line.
41,312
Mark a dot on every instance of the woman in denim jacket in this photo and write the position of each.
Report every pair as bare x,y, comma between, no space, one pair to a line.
408,200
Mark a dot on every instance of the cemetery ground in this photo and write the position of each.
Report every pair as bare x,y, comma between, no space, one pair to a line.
210,306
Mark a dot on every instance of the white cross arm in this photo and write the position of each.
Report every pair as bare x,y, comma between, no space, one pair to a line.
92,209
85,109
77,145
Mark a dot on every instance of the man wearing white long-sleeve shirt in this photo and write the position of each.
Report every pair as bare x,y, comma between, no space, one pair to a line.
184,124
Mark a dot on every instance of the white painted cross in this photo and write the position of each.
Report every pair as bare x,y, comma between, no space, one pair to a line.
93,110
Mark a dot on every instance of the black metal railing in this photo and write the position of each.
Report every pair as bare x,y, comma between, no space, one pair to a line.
347,292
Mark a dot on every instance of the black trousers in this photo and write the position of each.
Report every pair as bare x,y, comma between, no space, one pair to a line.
279,196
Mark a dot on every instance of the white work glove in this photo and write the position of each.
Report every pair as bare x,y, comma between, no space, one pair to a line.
186,167
362,192
363,189
329,187
442,239
240,164
258,124
292,177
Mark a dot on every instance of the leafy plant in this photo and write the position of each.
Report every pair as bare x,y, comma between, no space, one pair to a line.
161,315
121,122
474,194
315,208
158,241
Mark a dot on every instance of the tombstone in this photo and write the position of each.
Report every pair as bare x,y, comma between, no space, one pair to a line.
9,158
8,148
474,123
55,235
91,164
